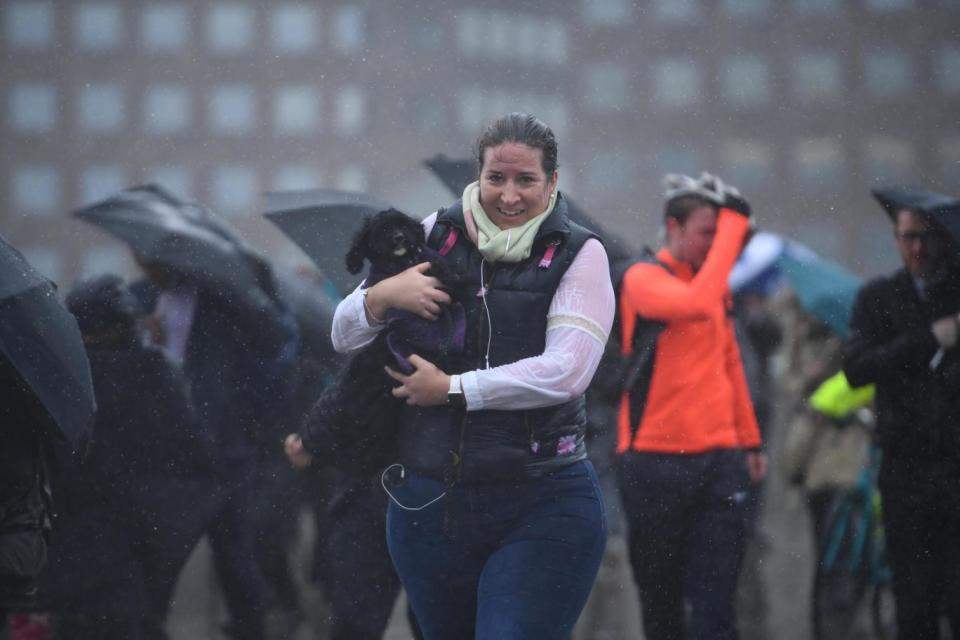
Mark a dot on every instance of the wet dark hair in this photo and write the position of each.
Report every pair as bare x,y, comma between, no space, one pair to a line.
679,208
522,128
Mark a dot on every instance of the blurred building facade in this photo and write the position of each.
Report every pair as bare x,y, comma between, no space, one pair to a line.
804,104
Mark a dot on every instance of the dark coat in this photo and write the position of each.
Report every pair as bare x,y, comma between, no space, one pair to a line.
891,345
149,477
240,365
24,489
148,442
506,321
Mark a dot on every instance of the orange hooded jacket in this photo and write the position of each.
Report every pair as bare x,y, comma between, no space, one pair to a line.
697,399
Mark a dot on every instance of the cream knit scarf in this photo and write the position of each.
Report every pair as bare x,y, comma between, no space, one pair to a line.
496,244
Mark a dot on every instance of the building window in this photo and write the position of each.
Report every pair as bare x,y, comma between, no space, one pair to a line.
817,77
947,69
176,180
352,178
554,48
606,86
430,116
611,171
293,28
297,176
235,190
164,27
818,162
33,108
745,8
29,25
607,12
888,159
97,26
553,110
746,81
105,260
889,73
950,159
350,111
749,164
232,109
676,11
426,37
36,190
670,158
349,29
166,109
101,108
44,260
297,110
883,6
470,32
230,28
816,7
100,182
677,83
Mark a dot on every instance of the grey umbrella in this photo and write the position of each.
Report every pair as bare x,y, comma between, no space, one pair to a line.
322,222
312,303
40,339
168,231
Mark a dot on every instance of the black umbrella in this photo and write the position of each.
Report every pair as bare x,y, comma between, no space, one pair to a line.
163,229
941,207
40,339
457,174
312,303
322,222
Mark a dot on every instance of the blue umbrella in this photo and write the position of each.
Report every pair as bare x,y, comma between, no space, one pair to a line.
825,289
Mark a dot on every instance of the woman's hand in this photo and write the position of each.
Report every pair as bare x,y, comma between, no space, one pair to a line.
427,386
411,290
299,457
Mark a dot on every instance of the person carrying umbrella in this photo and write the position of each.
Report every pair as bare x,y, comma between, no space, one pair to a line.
903,338
215,312
496,523
47,404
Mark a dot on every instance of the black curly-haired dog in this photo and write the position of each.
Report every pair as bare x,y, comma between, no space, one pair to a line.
354,423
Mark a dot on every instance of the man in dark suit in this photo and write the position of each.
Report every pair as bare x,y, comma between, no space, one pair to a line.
904,331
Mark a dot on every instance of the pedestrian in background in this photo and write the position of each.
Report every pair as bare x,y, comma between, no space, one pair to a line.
689,443
903,338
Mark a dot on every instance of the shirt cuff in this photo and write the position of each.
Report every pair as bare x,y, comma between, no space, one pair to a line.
471,390
361,313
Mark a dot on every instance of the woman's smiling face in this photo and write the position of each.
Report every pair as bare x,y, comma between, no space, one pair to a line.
513,185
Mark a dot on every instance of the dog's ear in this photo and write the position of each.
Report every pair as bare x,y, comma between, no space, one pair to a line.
358,250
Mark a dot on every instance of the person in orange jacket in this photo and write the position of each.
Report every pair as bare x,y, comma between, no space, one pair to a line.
688,441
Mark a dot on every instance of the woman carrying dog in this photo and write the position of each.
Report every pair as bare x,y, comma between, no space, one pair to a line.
496,523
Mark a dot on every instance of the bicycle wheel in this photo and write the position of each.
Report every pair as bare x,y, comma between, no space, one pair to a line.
843,573
882,605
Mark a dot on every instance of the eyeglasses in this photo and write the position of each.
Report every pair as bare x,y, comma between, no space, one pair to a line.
925,237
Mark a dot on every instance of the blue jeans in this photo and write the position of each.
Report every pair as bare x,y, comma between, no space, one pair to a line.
687,531
502,561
